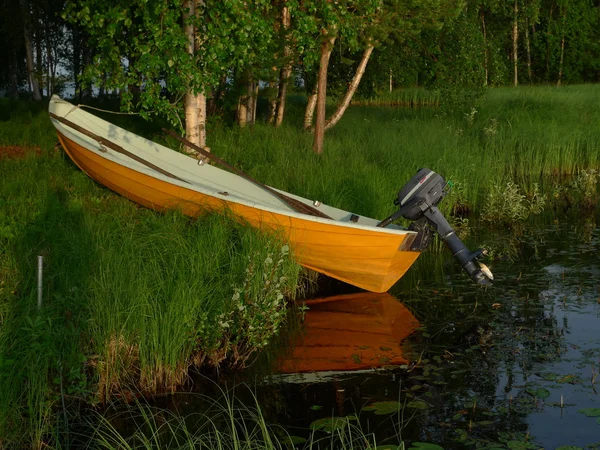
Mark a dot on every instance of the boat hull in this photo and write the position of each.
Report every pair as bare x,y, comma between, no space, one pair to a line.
369,259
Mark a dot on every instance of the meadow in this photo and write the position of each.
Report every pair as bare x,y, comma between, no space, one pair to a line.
133,299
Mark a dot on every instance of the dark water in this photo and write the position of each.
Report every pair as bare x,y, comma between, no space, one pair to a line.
512,366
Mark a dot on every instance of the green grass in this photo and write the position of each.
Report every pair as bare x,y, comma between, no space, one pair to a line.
526,136
408,97
225,422
132,298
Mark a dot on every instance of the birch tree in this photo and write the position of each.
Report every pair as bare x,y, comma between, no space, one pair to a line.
173,51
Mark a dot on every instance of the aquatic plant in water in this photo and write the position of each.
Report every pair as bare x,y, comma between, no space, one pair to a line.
505,204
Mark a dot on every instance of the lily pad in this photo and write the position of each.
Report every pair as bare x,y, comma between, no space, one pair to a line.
590,412
295,440
417,404
542,393
383,408
568,447
425,446
521,445
330,424
387,447
316,407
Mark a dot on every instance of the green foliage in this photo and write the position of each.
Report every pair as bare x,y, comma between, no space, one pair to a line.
506,205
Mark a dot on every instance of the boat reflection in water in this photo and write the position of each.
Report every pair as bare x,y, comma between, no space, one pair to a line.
351,332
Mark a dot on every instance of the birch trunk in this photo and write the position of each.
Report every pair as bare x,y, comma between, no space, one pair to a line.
35,87
286,70
242,111
201,106
391,81
562,49
360,70
13,74
310,109
202,114
548,34
326,48
485,49
272,101
191,100
528,45
515,39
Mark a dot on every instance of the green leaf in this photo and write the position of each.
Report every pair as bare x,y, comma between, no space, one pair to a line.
521,445
329,424
590,412
383,408
542,393
316,407
295,440
425,446
417,404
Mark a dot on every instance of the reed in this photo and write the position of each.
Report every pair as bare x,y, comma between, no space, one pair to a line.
132,298
226,422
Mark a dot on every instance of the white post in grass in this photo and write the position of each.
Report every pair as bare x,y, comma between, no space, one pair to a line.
40,276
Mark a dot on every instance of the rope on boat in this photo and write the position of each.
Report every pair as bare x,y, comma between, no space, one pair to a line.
117,148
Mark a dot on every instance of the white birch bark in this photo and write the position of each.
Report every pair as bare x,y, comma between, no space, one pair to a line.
326,48
35,86
515,39
191,104
341,108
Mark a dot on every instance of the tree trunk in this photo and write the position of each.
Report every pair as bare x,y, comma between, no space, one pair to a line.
548,34
192,123
252,101
360,70
86,91
272,102
310,109
286,70
50,63
515,39
39,60
485,48
13,75
528,44
326,48
76,57
391,81
242,110
562,49
35,87
202,115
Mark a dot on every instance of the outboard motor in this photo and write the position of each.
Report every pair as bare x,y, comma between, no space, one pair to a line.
418,201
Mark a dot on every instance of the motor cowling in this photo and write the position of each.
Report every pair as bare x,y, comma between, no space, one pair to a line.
418,200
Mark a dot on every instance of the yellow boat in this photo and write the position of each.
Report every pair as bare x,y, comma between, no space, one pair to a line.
351,248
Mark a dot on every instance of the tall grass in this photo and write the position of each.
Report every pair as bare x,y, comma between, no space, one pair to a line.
226,422
528,136
406,97
132,298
